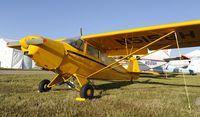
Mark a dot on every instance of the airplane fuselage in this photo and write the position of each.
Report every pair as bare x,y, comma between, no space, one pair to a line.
68,58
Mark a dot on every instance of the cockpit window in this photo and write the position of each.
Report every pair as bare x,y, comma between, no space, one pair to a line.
77,43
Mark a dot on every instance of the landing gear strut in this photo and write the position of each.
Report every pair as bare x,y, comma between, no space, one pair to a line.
76,82
43,86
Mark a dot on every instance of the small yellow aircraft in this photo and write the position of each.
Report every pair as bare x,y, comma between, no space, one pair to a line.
78,60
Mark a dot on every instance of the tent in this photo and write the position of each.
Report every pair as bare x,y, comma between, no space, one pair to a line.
13,58
195,59
193,54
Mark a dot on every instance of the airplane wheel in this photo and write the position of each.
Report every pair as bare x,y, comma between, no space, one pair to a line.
87,91
43,86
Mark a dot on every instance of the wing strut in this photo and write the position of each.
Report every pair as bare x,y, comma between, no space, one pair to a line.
172,32
126,46
185,83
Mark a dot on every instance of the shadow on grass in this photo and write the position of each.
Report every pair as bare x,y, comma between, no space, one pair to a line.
113,85
161,76
108,86
119,84
61,89
161,83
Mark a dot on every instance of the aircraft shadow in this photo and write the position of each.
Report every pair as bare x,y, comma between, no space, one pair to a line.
119,84
160,83
113,85
161,76
108,86
61,89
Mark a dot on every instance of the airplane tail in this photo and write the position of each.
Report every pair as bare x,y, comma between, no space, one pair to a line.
133,65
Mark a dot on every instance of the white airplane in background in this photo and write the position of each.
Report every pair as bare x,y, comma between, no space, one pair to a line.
161,62
188,66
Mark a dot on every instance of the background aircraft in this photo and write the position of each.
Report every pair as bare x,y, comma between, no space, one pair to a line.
188,66
161,62
189,63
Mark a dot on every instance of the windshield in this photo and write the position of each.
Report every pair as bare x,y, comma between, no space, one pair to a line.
77,43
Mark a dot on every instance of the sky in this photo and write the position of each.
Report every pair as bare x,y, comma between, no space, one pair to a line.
64,18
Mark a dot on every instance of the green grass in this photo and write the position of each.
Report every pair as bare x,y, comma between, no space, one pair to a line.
147,97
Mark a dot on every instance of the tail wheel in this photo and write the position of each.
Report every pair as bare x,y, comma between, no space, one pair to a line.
87,91
43,86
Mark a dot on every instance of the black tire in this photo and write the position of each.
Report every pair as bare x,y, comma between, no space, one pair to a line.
43,86
87,91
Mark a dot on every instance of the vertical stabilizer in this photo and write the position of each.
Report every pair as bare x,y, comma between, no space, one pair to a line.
133,65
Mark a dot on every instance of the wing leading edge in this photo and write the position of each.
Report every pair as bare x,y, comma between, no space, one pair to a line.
115,43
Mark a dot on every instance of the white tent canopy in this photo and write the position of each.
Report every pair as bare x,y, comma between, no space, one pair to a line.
195,59
13,58
193,54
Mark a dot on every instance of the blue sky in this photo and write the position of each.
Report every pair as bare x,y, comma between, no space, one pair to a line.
63,18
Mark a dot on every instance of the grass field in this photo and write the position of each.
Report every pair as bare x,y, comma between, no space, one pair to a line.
147,97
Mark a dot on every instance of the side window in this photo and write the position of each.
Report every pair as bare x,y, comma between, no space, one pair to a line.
92,51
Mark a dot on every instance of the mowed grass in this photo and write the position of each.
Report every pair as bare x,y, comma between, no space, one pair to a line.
146,97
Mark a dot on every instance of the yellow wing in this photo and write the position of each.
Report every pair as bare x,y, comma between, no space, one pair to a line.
115,43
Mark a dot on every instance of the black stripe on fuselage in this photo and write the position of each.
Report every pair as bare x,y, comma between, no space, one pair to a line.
91,59
86,57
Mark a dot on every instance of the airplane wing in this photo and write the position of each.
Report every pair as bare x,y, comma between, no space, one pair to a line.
115,43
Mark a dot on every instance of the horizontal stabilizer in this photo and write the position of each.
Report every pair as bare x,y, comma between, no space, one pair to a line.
150,73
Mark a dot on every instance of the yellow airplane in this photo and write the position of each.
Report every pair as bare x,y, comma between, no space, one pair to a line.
78,60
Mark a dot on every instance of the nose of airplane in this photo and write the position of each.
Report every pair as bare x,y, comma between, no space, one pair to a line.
45,52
